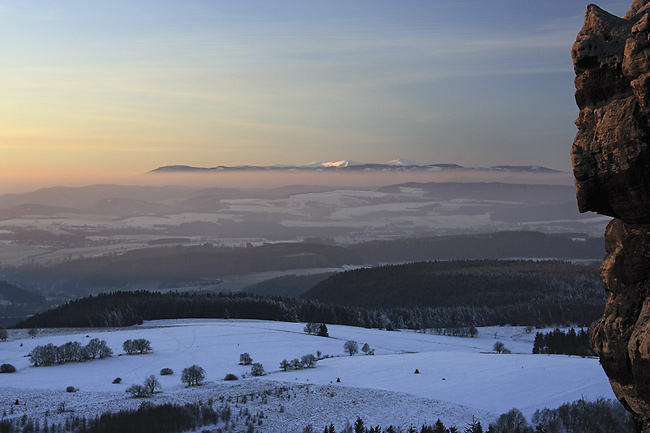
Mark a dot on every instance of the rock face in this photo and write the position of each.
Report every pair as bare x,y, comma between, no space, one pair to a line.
611,164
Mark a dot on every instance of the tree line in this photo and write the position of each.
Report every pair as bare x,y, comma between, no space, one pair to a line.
72,351
563,343
128,308
121,308
598,416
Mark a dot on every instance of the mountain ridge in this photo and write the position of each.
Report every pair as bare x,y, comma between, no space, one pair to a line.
399,164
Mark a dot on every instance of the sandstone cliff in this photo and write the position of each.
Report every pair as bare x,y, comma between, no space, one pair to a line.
611,163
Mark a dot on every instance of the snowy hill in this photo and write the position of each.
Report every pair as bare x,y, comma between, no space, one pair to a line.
459,377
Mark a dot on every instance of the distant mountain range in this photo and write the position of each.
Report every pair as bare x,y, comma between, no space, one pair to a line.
346,165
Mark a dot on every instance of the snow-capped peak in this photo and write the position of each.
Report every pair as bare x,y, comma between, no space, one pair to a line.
405,163
344,163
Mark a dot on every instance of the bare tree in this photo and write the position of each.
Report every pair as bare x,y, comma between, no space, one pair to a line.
97,348
499,347
308,360
193,375
43,355
128,347
152,384
142,345
351,347
511,421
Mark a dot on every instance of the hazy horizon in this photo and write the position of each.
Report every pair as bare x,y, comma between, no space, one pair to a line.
94,92
274,179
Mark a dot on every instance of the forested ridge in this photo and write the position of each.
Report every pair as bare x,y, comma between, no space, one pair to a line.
541,294
468,283
290,285
165,265
499,245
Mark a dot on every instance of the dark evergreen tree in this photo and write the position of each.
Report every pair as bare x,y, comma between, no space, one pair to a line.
322,330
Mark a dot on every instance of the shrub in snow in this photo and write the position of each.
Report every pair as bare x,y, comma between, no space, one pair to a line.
499,347
245,359
285,365
351,347
417,371
230,376
193,375
257,369
117,380
33,332
7,368
3,334
166,371
71,389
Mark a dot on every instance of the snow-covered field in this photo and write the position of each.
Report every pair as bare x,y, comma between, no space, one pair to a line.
459,377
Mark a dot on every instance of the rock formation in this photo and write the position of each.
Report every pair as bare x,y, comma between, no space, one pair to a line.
611,164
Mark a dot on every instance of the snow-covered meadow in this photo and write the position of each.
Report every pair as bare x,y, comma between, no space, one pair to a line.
459,377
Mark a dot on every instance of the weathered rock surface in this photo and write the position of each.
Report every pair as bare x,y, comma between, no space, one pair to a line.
621,338
611,153
611,164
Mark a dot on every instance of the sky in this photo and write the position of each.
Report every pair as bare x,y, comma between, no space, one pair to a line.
95,89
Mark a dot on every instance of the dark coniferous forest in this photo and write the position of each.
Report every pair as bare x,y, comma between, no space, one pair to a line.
467,283
561,342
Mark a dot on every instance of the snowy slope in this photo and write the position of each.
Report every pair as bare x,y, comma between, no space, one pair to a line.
459,371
